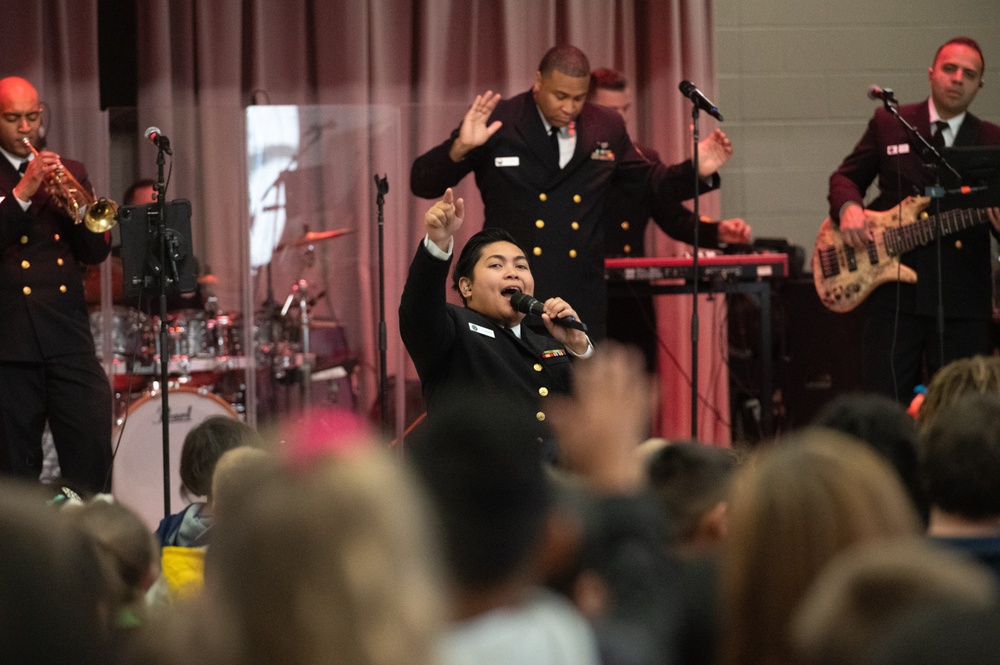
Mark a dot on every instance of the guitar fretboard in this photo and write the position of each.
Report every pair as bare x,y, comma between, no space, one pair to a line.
900,240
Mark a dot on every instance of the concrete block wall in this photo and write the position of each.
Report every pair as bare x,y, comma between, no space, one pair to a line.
792,77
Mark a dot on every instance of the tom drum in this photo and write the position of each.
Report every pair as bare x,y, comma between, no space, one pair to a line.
130,345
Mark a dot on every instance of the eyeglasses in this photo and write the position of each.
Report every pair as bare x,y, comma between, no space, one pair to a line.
15,118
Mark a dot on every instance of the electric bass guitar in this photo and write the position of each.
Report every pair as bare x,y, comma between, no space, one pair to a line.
844,276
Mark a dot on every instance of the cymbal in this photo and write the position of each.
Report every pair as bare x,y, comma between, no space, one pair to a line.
311,237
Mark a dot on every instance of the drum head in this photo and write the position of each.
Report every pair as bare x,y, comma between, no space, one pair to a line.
137,479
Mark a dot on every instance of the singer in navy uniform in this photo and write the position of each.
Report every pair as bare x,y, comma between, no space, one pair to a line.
483,346
548,189
900,353
48,367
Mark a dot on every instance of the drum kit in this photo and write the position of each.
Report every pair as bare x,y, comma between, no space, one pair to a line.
298,361
206,348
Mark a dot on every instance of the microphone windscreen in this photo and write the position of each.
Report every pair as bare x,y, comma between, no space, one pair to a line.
522,302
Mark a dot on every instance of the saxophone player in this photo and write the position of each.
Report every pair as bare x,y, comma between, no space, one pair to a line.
48,368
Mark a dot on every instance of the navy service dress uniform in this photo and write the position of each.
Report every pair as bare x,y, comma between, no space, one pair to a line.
458,349
48,366
556,213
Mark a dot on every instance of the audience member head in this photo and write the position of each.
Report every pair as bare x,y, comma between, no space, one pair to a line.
884,425
328,563
204,445
864,591
238,473
960,460
609,88
126,543
56,602
561,84
979,374
795,506
322,433
691,483
483,472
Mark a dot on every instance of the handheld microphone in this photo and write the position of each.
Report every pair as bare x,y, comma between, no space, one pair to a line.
690,91
522,302
159,140
885,94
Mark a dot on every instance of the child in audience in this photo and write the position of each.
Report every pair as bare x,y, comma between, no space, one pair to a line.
129,549
203,446
691,483
56,599
960,469
238,472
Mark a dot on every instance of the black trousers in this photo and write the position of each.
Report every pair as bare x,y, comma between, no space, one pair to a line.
917,354
73,394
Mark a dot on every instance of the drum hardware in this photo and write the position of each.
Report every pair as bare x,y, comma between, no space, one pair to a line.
130,345
291,346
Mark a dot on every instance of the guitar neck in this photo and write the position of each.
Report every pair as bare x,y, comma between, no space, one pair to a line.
901,239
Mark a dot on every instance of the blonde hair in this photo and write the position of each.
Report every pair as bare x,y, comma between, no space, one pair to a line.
794,506
978,374
864,590
330,565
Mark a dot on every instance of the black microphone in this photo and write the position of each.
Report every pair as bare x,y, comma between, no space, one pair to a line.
158,139
690,91
885,94
522,302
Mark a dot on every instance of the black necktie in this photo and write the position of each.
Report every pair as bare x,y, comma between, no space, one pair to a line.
23,167
554,138
938,139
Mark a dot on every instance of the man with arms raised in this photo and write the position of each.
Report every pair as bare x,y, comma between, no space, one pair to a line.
543,162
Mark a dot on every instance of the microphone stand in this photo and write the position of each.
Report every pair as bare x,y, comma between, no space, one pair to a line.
936,192
382,188
160,213
695,116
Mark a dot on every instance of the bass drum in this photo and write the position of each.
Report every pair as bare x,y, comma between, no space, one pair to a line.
137,480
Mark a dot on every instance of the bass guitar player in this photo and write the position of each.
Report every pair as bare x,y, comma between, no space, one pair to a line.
901,346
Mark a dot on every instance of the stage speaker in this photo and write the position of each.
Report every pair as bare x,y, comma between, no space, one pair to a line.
815,356
818,354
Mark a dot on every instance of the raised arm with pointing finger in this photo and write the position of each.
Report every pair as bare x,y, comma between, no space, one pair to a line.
482,344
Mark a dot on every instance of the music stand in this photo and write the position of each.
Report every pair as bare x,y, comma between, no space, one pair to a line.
157,261
141,247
